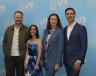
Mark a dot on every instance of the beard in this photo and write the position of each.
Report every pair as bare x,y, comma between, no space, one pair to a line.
18,22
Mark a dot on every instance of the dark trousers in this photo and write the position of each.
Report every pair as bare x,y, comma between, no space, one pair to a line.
50,72
14,66
70,71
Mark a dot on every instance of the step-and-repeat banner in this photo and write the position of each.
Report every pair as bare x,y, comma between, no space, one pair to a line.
37,12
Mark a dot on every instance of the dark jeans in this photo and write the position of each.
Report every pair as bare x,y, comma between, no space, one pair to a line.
14,66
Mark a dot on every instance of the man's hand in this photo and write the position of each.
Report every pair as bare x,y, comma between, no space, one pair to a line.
76,66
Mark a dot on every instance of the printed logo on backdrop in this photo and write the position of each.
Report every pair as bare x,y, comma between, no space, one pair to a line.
40,22
54,4
81,19
2,8
23,6
91,3
92,43
8,23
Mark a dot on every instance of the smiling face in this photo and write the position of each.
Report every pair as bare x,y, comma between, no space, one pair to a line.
18,18
70,16
33,31
53,21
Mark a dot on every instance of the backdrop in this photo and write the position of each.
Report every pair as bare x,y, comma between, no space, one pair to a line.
37,12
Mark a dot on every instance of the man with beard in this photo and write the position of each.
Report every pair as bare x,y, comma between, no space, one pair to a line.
14,46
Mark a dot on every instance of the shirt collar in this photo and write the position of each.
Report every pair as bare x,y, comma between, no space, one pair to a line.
21,27
72,25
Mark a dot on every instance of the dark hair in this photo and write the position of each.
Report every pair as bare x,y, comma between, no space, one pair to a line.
37,33
58,23
18,12
70,9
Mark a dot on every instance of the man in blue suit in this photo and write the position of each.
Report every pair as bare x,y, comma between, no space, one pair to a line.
75,44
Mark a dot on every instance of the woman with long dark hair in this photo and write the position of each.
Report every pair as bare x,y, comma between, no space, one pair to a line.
53,41
33,53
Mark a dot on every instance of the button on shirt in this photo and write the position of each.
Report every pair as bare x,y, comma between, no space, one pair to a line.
15,48
69,29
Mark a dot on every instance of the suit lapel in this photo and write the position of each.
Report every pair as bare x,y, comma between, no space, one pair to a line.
46,35
52,36
66,33
73,32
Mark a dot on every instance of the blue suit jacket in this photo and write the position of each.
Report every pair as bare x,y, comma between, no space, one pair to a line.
54,48
75,48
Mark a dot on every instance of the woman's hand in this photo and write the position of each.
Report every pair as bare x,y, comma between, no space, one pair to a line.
57,66
36,67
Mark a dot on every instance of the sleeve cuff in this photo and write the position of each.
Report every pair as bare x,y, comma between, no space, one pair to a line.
78,61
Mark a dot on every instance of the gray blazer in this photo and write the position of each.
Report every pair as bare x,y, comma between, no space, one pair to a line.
55,47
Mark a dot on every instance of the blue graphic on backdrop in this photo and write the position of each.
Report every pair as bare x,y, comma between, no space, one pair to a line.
37,12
